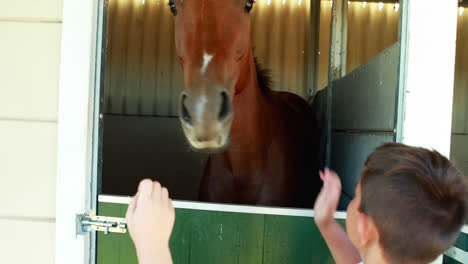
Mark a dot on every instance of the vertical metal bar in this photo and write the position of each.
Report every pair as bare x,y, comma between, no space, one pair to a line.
402,69
337,60
97,125
313,49
103,36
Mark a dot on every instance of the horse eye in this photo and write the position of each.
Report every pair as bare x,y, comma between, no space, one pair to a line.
249,5
173,7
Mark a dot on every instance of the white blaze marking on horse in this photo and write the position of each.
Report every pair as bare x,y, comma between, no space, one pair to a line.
201,106
206,60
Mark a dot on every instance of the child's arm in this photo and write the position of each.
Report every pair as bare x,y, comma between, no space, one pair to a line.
150,218
342,250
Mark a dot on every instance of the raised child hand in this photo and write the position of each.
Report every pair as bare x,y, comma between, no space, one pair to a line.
150,219
328,198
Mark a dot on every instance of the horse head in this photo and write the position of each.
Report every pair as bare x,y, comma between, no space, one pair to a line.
212,39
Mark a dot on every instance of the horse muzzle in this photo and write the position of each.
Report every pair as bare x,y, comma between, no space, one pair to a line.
206,120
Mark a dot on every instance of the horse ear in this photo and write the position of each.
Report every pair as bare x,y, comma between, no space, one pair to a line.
249,5
173,7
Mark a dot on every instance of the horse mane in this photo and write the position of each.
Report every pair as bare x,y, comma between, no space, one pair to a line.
263,77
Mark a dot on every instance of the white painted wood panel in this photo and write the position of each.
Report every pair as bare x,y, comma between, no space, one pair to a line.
28,155
27,9
29,70
27,241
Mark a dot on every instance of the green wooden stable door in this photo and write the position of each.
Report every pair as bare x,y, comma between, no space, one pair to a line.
211,237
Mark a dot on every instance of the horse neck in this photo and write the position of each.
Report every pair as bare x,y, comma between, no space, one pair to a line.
247,139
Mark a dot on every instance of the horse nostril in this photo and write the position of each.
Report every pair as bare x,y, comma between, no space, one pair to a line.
185,113
225,106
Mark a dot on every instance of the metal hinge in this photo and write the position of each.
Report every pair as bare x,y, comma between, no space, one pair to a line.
86,223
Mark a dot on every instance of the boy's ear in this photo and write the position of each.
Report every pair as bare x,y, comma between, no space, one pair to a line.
367,230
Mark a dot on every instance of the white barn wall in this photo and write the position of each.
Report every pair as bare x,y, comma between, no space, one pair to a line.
428,101
29,78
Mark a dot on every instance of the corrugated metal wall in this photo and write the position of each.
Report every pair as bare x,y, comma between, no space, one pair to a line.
371,30
143,76
281,36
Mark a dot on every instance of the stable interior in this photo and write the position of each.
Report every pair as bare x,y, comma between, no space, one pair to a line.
142,137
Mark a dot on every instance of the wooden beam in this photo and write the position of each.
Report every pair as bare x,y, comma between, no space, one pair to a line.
338,40
337,60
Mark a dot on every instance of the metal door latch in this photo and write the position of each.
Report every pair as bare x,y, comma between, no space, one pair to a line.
86,223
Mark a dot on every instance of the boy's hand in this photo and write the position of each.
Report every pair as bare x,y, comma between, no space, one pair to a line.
328,198
338,242
150,218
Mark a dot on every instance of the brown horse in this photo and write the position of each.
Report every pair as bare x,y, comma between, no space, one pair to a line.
261,142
